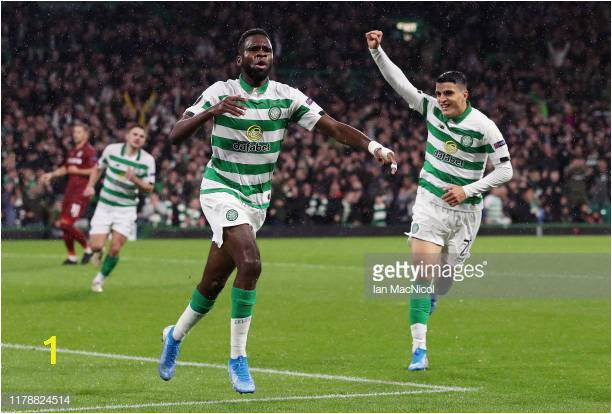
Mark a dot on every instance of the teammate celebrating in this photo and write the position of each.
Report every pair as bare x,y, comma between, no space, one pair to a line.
447,212
251,115
79,164
129,169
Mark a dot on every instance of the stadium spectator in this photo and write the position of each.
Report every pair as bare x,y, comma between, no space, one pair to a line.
554,112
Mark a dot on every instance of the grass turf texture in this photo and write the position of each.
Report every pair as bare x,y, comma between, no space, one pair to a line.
311,316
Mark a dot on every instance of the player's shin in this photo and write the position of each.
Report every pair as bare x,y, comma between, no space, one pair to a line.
197,308
419,315
69,242
109,264
242,311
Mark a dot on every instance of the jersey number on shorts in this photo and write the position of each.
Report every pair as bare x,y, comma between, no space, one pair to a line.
75,209
466,247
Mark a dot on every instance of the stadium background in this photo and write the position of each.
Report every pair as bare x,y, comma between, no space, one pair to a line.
546,84
318,344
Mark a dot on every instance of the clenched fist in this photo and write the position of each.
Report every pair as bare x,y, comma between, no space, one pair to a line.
374,38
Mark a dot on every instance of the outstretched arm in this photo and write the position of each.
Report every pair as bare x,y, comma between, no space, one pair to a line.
348,135
47,177
392,74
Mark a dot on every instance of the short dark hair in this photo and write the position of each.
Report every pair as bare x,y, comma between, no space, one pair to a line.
250,32
453,76
133,125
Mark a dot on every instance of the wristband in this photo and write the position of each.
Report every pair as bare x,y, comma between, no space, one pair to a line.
373,146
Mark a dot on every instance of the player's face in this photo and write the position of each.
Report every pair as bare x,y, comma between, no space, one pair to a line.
136,138
257,57
79,135
452,98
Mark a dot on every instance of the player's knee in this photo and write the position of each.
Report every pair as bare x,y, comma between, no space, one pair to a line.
114,250
250,266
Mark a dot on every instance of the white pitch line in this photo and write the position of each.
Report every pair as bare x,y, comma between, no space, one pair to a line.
198,261
312,266
236,401
255,369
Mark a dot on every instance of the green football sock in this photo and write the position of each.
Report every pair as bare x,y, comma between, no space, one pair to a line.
242,302
109,264
200,303
419,309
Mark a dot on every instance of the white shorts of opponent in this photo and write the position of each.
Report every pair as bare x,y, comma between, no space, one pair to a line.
224,210
455,230
119,219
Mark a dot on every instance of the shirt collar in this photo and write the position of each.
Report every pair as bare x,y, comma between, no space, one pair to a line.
248,88
464,115
123,152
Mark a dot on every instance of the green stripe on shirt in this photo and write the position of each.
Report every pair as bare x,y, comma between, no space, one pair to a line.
446,177
247,190
244,124
299,113
119,194
238,168
451,160
126,185
437,191
445,137
468,132
241,146
114,203
122,173
128,162
266,103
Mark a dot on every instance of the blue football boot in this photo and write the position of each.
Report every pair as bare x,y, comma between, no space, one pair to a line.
170,351
239,375
419,360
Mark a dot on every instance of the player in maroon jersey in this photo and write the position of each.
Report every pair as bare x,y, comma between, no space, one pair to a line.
80,162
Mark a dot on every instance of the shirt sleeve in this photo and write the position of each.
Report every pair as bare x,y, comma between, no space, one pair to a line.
207,99
90,159
399,82
150,178
304,110
501,174
496,145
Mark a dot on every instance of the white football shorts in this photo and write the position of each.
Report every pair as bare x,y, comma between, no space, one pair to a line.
224,210
120,219
455,230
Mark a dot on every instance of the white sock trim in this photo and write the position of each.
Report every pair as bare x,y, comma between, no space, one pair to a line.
185,322
239,331
419,336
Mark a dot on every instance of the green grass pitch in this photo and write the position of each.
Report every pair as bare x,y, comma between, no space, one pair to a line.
311,317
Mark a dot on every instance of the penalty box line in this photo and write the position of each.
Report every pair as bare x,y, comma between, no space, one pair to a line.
340,378
238,401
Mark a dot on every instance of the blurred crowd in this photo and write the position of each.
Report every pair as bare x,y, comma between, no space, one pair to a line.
541,71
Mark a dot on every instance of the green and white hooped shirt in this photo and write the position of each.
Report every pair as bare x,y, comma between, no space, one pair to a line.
117,190
457,150
245,148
